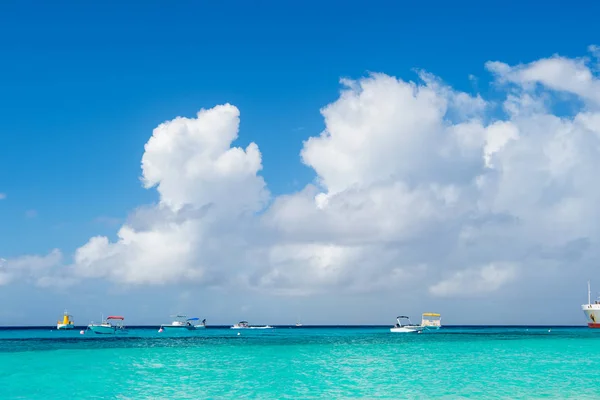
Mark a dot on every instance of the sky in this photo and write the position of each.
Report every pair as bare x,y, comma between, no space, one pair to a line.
322,161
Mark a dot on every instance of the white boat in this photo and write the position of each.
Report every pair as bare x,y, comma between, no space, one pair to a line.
431,321
200,325
245,325
111,325
406,328
66,323
182,322
592,311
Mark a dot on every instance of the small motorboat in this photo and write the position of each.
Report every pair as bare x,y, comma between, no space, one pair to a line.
66,323
409,327
111,325
245,325
182,322
200,325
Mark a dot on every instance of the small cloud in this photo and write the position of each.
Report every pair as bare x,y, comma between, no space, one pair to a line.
31,213
2,196
298,129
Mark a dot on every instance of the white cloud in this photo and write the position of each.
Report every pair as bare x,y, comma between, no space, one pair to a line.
556,73
385,129
419,189
30,268
190,161
2,196
473,281
202,182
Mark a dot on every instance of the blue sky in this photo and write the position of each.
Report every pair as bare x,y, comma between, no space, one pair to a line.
83,85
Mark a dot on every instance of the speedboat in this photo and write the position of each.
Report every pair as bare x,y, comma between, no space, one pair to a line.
241,325
182,322
66,323
111,325
409,327
196,325
245,325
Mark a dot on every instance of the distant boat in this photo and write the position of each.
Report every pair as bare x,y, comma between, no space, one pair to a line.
182,322
409,327
245,325
200,325
592,311
298,324
66,323
111,325
431,321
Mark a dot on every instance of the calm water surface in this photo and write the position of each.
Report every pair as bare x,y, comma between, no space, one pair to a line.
453,363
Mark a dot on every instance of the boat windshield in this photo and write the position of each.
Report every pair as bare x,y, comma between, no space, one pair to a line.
401,318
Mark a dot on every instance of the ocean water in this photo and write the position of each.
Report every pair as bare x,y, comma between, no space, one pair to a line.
306,362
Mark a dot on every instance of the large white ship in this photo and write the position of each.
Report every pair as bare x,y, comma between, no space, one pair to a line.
592,311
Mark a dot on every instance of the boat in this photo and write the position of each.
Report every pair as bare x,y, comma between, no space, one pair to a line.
409,327
111,325
241,325
182,322
592,311
66,323
245,325
200,325
431,321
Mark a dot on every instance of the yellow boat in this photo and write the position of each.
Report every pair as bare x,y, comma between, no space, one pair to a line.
431,321
66,323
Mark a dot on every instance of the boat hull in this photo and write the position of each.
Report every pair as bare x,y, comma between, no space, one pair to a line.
106,330
64,326
406,329
592,315
177,328
251,327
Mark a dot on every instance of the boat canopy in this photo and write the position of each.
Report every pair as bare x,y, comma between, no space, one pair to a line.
402,316
193,319
115,317
243,322
430,314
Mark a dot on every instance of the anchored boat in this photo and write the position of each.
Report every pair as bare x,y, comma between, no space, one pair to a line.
431,321
182,322
200,325
66,323
409,327
111,325
245,325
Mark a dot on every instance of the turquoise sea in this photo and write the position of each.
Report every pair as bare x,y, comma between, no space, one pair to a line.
306,362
